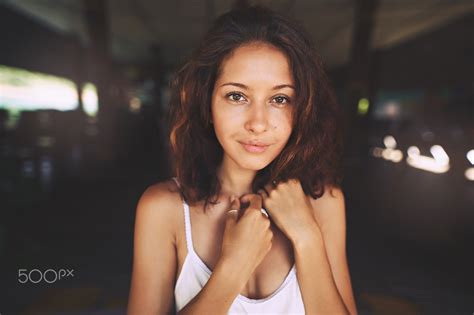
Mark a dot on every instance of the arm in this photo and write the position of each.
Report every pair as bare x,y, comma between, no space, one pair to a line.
155,261
317,231
154,256
327,289
245,243
218,294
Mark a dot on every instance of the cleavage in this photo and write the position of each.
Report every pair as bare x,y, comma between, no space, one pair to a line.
267,277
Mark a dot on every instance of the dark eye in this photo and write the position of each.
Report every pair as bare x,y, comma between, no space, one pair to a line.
235,97
281,99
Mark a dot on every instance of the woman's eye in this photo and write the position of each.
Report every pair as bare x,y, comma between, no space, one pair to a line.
235,97
281,100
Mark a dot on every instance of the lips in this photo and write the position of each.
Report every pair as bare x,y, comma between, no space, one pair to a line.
255,146
255,143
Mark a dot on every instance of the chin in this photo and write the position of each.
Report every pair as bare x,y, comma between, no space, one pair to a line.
253,164
250,161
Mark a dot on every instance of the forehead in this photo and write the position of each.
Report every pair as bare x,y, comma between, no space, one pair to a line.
256,61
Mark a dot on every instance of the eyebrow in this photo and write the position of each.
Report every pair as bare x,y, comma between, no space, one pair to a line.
243,86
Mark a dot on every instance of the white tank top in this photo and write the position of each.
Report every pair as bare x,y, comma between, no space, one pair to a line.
195,274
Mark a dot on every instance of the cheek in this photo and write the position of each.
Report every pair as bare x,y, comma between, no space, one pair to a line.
282,124
218,112
224,122
223,117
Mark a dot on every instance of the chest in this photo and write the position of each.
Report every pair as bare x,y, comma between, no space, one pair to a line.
206,236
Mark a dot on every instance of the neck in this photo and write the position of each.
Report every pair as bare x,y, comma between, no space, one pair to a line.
235,181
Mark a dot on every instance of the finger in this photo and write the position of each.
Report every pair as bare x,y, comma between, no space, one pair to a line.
255,202
262,192
265,197
245,198
296,181
269,187
293,182
254,199
265,213
232,216
234,203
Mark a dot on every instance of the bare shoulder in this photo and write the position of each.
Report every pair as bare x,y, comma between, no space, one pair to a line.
159,203
151,290
165,192
329,209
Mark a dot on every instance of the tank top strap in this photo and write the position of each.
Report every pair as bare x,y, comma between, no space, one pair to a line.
187,222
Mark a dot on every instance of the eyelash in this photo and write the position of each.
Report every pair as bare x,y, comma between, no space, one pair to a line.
230,94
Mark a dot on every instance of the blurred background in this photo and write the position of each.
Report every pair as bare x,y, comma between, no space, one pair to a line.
84,86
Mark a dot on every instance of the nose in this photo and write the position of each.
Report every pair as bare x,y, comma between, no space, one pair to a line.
257,120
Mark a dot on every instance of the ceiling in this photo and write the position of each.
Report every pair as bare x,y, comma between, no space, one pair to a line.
176,26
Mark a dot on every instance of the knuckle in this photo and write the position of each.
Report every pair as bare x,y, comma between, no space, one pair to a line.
254,211
269,234
267,224
271,237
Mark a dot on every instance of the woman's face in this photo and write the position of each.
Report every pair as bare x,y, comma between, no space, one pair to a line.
252,105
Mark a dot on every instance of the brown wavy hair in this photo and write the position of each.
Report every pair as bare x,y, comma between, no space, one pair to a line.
313,151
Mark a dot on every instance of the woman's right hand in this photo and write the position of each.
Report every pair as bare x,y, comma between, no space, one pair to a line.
247,237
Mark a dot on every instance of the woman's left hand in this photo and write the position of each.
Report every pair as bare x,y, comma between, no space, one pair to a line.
290,209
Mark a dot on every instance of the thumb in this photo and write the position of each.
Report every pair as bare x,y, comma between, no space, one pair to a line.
234,203
234,209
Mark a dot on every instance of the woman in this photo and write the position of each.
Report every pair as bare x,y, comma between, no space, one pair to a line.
254,221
